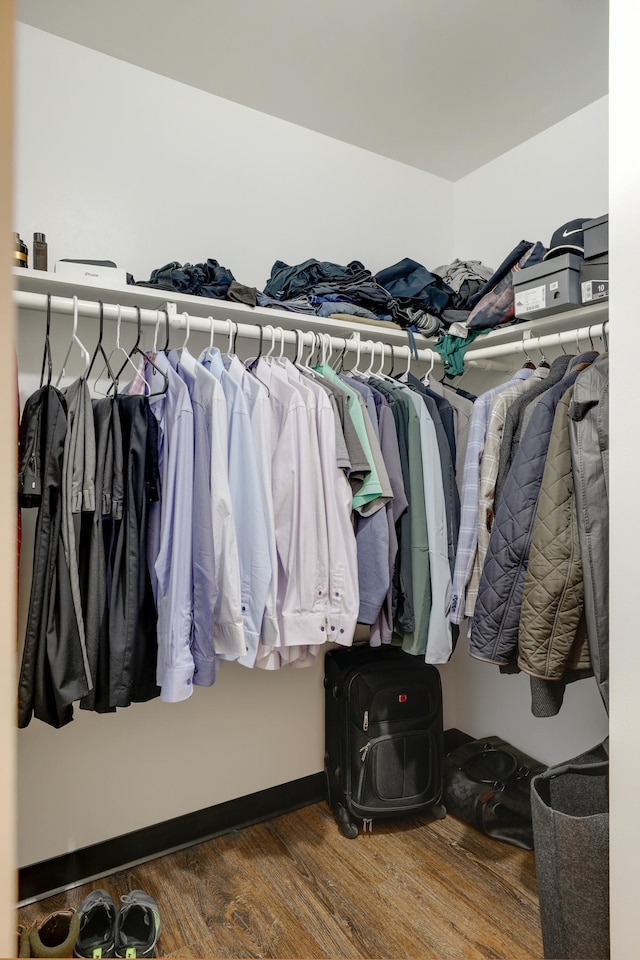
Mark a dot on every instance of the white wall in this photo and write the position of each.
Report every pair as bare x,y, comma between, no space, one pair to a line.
557,176
526,193
116,162
624,472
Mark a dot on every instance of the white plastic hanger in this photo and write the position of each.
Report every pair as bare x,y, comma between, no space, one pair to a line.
427,376
187,320
274,330
80,345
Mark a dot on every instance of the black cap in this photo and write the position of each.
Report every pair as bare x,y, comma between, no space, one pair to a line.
39,238
569,238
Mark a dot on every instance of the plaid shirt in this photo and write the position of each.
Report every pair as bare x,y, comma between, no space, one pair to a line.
468,536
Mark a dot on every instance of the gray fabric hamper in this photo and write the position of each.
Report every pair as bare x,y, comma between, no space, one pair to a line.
570,811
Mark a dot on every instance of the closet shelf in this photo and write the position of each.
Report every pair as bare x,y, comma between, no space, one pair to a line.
43,283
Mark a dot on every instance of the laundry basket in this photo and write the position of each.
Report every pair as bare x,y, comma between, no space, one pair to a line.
570,811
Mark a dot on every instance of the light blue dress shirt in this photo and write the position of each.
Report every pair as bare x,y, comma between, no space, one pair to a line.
250,522
203,571
170,533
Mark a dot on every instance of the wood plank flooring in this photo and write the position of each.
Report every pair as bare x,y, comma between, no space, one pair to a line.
294,887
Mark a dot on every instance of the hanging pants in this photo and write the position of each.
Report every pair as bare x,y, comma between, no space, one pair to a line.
52,673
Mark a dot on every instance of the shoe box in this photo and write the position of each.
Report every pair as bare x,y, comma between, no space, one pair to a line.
548,287
594,269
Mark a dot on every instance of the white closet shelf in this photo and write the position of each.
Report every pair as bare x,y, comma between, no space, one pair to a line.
506,339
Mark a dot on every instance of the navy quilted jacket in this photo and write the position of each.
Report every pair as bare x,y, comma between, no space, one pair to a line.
494,628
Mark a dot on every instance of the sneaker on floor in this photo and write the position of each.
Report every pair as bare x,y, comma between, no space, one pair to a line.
138,925
56,935
97,915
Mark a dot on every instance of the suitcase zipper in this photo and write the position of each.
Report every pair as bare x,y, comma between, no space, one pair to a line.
365,750
365,722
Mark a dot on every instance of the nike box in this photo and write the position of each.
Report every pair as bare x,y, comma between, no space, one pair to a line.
596,237
548,287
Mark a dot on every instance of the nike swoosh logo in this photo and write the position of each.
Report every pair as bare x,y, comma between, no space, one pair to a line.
567,233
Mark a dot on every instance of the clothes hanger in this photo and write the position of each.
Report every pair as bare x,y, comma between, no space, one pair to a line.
339,364
402,377
355,370
528,363
187,320
100,349
393,362
46,354
369,371
562,345
427,377
543,360
136,349
603,335
273,341
380,374
80,345
118,348
591,338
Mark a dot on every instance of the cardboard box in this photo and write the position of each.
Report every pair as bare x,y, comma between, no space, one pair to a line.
596,237
548,287
89,272
597,269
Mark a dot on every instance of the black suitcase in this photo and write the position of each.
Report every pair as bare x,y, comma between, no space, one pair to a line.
384,749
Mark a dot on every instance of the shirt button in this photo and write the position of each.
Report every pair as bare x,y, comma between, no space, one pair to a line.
322,628
244,609
333,628
337,594
341,629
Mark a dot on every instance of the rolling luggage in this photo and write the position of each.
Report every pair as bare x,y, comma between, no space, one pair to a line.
384,751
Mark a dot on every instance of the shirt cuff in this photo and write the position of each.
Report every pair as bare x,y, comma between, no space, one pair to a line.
176,684
228,640
204,674
457,609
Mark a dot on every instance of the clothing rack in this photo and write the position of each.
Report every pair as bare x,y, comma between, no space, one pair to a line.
484,358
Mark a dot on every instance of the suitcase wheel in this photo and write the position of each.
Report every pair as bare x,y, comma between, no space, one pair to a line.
438,811
345,823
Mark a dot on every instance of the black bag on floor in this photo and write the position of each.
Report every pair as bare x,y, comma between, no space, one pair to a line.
488,785
570,805
384,752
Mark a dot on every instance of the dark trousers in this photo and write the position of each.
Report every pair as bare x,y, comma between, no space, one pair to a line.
52,673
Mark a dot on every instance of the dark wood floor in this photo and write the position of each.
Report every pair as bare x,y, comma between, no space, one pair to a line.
294,887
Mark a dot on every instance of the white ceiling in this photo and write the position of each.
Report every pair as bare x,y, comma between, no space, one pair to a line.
443,85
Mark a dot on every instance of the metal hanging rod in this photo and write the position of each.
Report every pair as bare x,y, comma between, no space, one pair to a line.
486,358
581,337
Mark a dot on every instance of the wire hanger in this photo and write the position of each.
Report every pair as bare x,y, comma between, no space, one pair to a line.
603,334
46,354
118,348
543,360
562,344
393,362
136,349
80,345
100,349
528,363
